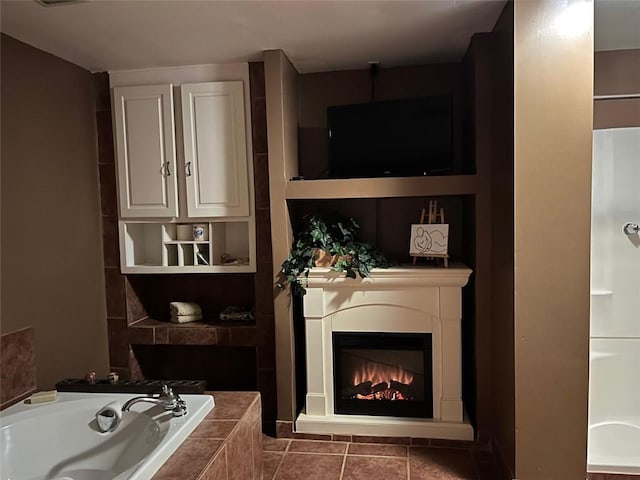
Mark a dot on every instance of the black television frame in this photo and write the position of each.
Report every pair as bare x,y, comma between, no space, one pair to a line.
382,157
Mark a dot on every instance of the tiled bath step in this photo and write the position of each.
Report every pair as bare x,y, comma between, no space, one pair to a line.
227,445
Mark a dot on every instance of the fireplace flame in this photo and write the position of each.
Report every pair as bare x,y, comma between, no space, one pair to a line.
377,373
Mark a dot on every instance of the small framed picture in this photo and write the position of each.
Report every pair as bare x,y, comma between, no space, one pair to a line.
429,239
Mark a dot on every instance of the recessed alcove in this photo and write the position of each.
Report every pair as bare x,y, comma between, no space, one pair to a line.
317,91
222,367
387,206
386,222
212,292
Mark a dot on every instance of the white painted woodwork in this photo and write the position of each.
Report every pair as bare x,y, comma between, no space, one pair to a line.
145,151
156,217
397,187
152,247
401,300
215,154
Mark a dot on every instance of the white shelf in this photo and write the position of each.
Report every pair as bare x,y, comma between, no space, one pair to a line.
598,292
394,187
189,242
148,246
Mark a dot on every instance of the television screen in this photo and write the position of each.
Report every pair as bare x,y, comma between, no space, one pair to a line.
392,138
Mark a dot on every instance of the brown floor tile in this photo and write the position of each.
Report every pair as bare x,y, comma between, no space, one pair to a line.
361,468
270,444
284,429
377,450
440,464
385,440
270,463
309,446
488,471
297,466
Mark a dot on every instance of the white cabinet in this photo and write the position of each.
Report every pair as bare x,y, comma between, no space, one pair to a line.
214,149
145,150
174,174
215,152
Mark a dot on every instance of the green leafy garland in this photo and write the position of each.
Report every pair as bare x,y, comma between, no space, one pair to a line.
337,238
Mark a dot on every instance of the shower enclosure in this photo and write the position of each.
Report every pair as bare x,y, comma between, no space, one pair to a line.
614,384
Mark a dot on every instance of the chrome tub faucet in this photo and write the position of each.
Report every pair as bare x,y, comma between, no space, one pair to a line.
167,399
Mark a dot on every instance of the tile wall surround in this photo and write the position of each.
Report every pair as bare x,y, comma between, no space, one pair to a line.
226,445
17,366
134,300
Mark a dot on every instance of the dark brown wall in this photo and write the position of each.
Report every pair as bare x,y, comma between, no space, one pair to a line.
502,251
51,261
616,72
265,326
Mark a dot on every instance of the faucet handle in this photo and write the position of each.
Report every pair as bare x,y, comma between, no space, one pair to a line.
180,409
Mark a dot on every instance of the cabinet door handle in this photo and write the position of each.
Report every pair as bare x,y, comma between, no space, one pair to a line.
188,166
167,170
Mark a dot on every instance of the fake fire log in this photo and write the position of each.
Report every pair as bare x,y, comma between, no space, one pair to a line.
380,387
401,388
381,391
363,388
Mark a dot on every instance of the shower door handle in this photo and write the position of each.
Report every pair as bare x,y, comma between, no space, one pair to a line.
631,228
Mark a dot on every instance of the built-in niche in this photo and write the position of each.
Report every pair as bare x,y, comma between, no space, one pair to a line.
212,292
222,367
317,91
386,222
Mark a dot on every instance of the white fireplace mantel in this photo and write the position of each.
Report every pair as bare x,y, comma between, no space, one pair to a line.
397,300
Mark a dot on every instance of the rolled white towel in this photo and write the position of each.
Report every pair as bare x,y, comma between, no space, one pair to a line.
185,318
185,308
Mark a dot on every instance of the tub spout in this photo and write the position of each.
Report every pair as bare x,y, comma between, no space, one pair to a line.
108,417
167,398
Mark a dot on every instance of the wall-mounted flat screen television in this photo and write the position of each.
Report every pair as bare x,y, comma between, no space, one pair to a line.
411,137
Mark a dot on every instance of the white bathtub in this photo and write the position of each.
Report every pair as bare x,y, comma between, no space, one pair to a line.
60,441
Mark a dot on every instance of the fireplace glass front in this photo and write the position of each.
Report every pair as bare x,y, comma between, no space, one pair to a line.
386,374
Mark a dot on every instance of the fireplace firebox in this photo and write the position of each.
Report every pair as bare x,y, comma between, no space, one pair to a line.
387,374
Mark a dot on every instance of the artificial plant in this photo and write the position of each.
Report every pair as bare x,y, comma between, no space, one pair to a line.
329,242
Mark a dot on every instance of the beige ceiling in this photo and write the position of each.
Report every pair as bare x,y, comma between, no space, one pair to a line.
317,35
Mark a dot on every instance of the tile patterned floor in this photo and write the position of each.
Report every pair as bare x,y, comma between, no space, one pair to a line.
288,459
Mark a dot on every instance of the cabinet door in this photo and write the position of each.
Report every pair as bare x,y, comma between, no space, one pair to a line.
215,149
145,149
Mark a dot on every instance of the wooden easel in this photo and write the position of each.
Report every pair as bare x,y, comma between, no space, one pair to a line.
433,216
